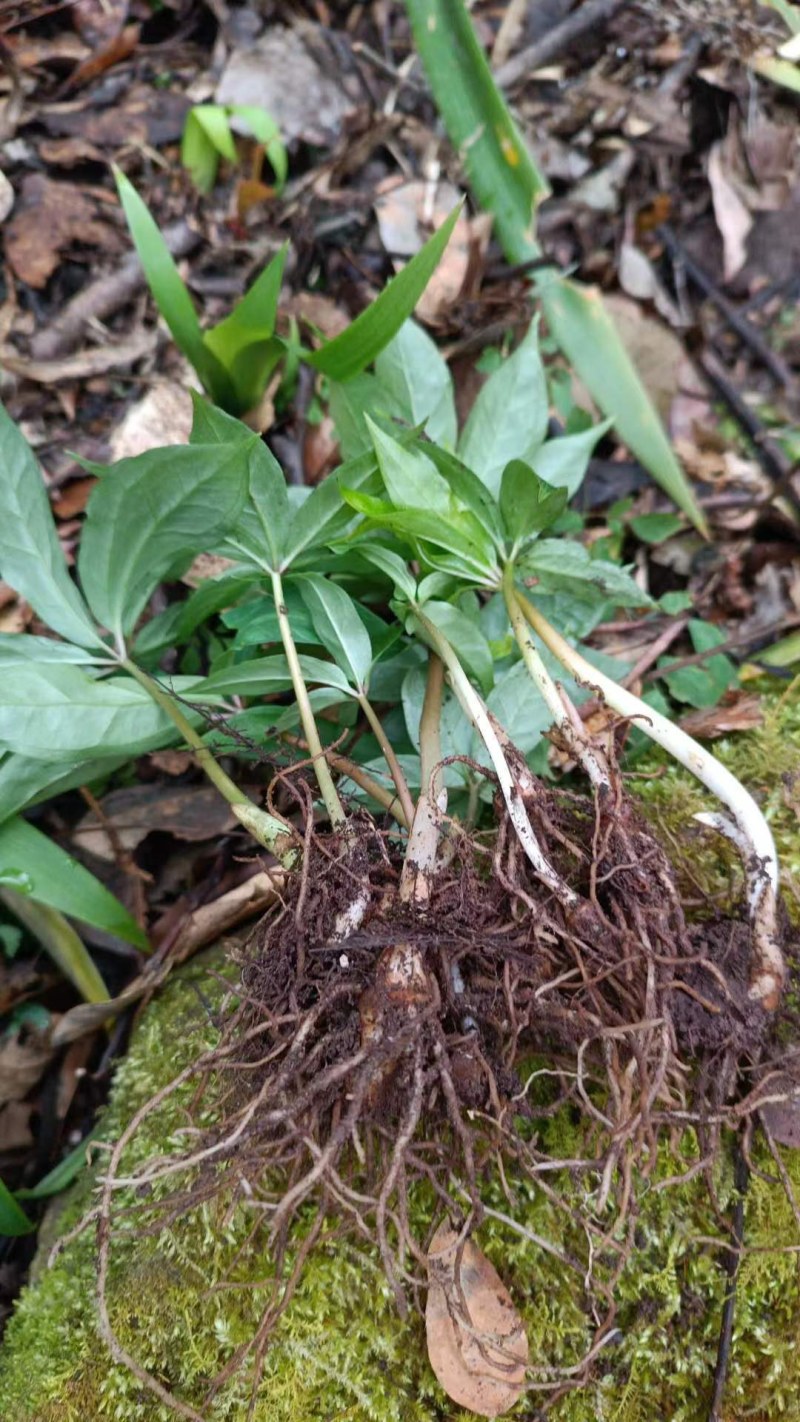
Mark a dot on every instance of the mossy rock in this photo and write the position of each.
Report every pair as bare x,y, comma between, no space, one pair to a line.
182,1299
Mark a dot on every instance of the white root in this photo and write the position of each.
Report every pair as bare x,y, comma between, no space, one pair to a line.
747,827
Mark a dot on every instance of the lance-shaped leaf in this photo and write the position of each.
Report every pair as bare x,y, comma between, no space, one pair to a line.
339,627
58,713
53,878
31,560
150,513
13,1220
527,503
25,781
245,342
506,183
357,346
509,417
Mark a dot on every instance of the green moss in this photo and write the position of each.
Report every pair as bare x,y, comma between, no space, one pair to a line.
340,1350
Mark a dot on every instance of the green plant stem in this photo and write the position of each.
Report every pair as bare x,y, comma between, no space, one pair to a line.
322,771
473,707
59,939
576,742
419,864
359,776
403,793
747,827
266,829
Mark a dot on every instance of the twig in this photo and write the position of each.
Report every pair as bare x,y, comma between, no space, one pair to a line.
747,333
557,42
772,459
105,296
733,1259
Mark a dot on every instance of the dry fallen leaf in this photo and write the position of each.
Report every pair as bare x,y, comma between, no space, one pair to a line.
49,217
480,1357
190,812
732,216
23,1057
162,416
407,215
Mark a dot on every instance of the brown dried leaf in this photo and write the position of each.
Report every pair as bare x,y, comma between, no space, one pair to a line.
732,216
479,1356
162,416
739,711
407,213
50,217
24,1055
191,812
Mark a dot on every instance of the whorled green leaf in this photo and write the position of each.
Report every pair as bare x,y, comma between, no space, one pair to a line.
562,462
528,505
466,638
356,347
25,781
151,512
468,489
509,417
425,530
31,560
409,477
58,713
561,565
338,626
60,882
414,374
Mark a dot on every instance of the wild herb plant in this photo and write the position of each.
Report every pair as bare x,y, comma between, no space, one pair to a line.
235,359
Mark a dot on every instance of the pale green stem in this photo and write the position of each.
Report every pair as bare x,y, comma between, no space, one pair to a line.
360,777
60,940
389,756
266,829
327,789
575,741
474,708
419,864
748,828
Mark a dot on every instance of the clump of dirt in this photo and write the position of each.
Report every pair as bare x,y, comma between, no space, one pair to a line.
363,1060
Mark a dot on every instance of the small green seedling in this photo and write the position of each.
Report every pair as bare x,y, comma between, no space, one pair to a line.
235,359
208,136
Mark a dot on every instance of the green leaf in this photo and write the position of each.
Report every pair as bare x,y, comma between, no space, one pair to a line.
348,403
417,379
655,527
507,184
325,515
170,294
59,939
563,462
783,653
206,135
589,339
391,564
527,503
62,1174
501,171
356,347
263,676
519,709
62,883
266,132
18,647
558,564
466,639
24,781
31,560
468,489
58,713
244,342
256,621
13,1220
459,534
148,513
339,627
509,418
411,480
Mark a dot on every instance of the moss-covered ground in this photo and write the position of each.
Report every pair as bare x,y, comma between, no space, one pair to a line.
183,1298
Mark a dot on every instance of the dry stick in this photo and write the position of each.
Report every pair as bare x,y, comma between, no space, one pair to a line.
748,827
390,758
591,14
747,333
474,708
769,455
105,296
419,863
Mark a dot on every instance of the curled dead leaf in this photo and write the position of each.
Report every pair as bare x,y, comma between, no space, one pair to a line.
477,1343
